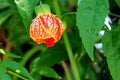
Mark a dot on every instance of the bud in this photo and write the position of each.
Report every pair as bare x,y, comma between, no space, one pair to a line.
46,28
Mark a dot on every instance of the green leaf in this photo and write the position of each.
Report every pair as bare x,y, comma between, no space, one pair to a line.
107,44
90,19
51,56
118,2
16,67
4,5
4,16
26,9
3,75
112,54
46,71
36,76
9,53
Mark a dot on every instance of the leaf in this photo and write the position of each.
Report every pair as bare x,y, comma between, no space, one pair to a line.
112,54
36,76
26,9
107,44
4,16
90,19
16,67
118,2
9,53
4,4
46,71
3,75
51,56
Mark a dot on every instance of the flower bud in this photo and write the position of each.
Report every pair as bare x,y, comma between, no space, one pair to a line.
46,28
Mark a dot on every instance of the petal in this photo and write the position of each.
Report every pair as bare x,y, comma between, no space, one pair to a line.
49,42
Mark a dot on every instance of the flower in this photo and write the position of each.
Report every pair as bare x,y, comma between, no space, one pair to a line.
46,28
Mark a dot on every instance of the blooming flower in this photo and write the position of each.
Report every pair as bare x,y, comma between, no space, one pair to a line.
46,28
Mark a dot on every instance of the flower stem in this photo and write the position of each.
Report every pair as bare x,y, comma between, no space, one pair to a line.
67,44
29,54
116,15
65,67
70,55
55,2
67,13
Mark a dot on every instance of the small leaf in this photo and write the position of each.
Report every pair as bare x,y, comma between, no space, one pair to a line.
3,75
46,71
90,19
16,67
26,9
9,53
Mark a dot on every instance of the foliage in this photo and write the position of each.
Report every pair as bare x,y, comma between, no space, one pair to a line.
74,56
90,20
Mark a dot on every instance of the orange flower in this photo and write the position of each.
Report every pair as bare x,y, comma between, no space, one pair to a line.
46,28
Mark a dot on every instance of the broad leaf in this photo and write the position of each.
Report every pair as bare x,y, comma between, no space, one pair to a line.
16,67
90,19
3,75
26,9
46,71
112,53
9,53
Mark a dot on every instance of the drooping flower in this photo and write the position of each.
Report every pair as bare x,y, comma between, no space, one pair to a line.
46,28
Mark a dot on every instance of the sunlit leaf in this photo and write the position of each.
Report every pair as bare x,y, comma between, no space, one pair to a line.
26,9
9,53
46,71
90,19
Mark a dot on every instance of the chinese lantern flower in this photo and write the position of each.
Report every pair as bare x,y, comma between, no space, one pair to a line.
46,28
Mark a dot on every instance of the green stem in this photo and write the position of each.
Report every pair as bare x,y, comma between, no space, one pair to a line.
70,55
17,75
67,13
65,67
29,54
67,44
116,15
55,2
